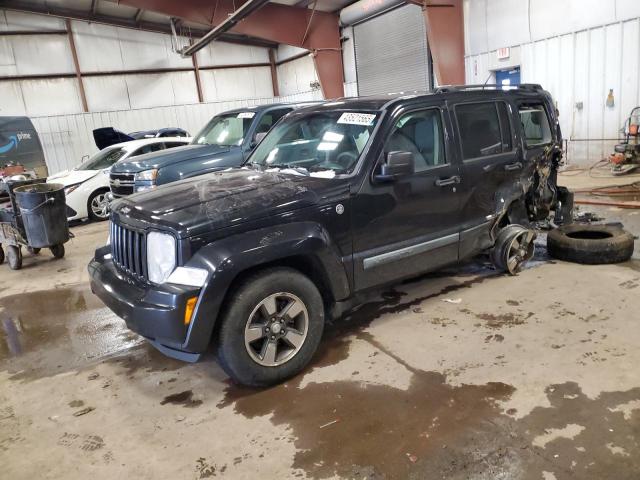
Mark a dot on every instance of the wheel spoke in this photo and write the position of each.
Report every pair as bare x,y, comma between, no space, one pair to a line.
528,238
292,310
269,351
294,338
269,306
254,333
512,263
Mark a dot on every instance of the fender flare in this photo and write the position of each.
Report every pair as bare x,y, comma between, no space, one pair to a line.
229,257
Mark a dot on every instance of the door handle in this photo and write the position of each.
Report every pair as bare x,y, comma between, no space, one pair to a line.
443,182
488,168
513,166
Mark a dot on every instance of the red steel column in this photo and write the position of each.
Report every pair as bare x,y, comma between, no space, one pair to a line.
445,32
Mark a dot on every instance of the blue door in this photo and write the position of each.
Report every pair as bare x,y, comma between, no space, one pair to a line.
508,77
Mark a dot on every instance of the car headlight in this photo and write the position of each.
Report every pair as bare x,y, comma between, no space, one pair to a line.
147,175
161,256
70,188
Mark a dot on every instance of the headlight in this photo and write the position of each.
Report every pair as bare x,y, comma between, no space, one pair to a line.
147,175
193,277
70,189
161,256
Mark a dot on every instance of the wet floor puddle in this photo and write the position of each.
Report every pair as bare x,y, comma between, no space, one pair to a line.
435,430
48,332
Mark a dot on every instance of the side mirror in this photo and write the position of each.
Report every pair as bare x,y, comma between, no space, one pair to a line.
398,164
258,138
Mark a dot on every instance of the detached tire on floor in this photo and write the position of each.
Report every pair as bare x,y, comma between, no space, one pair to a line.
590,244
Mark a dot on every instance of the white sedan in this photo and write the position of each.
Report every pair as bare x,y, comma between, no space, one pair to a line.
87,185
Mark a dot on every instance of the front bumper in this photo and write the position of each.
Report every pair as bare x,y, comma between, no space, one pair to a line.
155,312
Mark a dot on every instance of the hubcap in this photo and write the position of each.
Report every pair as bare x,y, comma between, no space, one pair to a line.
276,329
99,205
520,250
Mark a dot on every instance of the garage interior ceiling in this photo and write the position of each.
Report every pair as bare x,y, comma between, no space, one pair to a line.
113,12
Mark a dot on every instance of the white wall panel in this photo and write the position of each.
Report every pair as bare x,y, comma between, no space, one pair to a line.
630,74
580,51
217,53
507,23
41,54
12,102
285,52
476,19
67,138
236,83
147,50
91,38
17,21
106,93
7,60
296,76
51,97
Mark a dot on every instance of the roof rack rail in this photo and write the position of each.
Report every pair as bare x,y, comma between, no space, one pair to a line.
532,87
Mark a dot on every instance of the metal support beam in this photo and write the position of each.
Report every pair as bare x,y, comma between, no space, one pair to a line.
76,64
45,9
8,33
196,73
227,24
445,32
274,72
138,16
273,22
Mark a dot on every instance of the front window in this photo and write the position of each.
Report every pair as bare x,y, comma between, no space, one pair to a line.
535,125
225,130
103,159
316,143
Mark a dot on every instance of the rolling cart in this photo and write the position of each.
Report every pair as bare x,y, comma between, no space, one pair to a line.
32,215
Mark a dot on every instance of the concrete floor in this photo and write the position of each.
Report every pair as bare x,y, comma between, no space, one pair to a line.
460,374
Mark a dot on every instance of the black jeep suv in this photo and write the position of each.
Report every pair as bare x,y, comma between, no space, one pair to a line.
337,199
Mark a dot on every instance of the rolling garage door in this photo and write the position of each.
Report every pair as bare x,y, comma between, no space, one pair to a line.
391,52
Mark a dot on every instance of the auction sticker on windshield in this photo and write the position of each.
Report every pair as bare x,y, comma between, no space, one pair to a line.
246,114
354,118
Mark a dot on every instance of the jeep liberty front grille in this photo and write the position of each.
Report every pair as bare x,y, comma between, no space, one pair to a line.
129,250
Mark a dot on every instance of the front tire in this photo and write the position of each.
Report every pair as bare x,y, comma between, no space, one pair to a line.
271,327
98,206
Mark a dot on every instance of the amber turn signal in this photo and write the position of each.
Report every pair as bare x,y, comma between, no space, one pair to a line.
188,311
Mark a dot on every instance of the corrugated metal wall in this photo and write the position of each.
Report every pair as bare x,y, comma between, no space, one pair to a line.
67,138
103,49
578,50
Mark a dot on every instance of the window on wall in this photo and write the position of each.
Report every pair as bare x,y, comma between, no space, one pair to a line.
535,125
421,134
484,129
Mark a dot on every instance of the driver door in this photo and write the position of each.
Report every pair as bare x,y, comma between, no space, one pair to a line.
410,225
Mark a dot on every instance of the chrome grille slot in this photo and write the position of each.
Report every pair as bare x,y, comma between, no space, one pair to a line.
128,250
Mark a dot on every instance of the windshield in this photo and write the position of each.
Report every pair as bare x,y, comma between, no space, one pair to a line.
103,159
326,143
225,130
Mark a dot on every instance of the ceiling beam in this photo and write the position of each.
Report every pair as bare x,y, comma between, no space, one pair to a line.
87,16
316,31
227,24
138,16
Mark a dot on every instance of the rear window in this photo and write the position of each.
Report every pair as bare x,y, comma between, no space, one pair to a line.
484,129
535,125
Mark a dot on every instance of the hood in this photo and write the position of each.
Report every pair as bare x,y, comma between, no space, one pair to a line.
107,136
170,156
71,177
198,205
